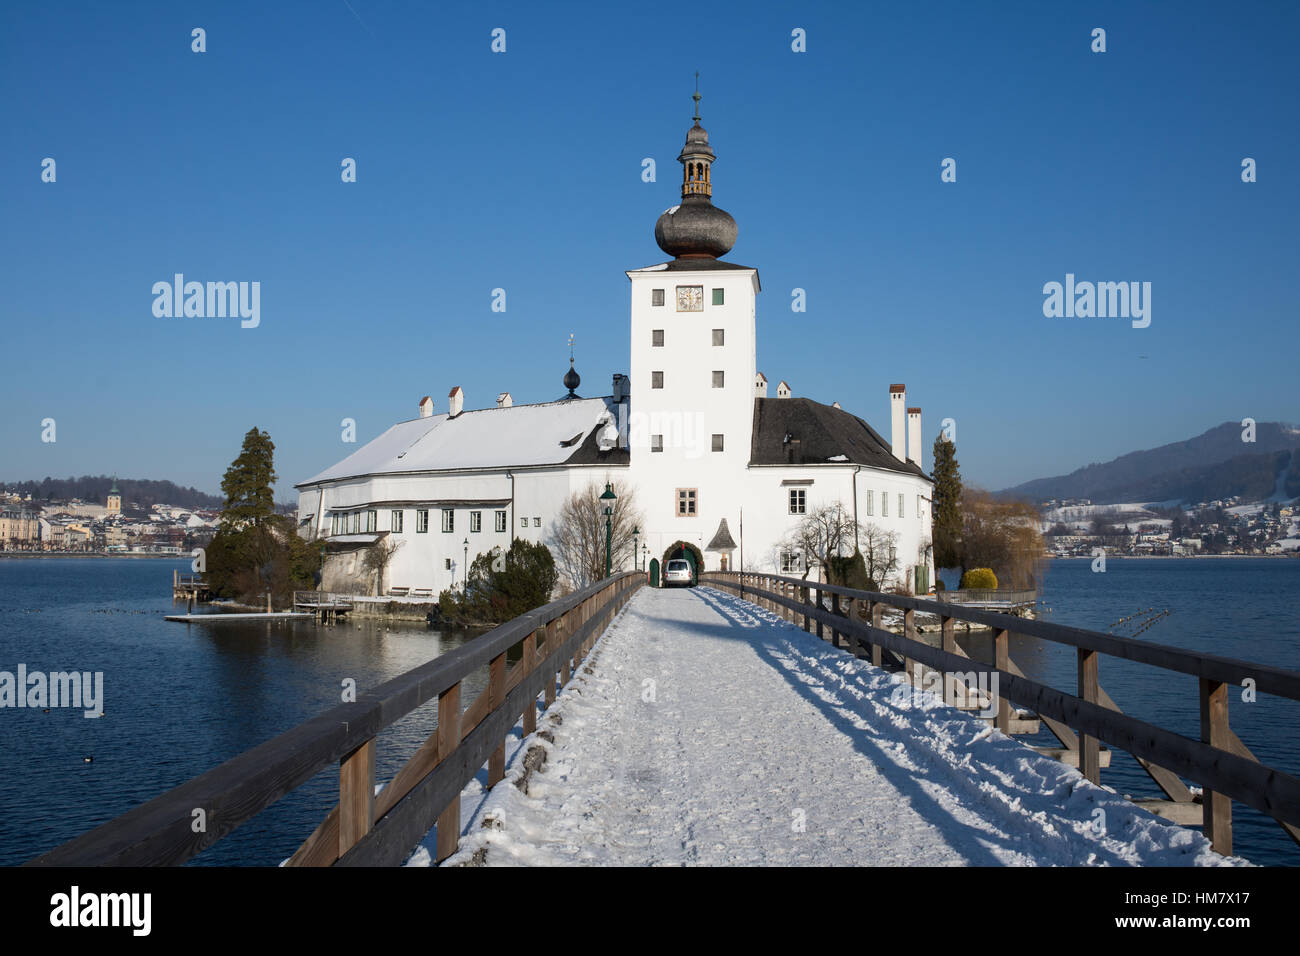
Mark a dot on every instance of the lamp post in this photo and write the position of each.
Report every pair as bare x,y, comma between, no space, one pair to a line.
635,532
466,572
608,497
645,554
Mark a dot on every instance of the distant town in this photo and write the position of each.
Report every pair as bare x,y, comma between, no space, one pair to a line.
1077,527
84,527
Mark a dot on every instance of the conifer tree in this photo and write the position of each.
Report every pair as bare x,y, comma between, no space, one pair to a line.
947,505
248,480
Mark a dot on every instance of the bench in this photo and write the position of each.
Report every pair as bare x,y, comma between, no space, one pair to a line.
398,592
422,592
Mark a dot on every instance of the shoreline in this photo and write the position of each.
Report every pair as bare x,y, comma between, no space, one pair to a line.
1164,557
16,555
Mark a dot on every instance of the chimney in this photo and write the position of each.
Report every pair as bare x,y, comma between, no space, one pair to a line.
426,407
455,402
897,428
783,390
621,389
914,436
760,385
504,400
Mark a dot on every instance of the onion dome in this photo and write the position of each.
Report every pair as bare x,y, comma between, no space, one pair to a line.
572,380
695,228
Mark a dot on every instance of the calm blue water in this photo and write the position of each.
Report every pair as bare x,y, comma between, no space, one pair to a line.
1236,607
178,700
181,699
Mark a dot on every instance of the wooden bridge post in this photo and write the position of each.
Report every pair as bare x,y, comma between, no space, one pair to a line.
877,620
1001,655
497,697
1089,747
448,741
835,609
548,645
948,642
806,601
909,632
530,664
1217,809
817,603
356,795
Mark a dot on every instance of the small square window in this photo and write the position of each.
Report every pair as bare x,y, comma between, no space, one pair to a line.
476,521
717,379
657,298
657,338
656,442
537,522
448,520
719,337
798,501
717,297
717,443
523,522
656,379
790,563
447,564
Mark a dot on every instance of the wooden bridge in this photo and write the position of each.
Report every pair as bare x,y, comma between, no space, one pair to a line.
550,643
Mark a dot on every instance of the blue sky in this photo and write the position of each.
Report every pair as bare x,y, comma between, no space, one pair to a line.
522,171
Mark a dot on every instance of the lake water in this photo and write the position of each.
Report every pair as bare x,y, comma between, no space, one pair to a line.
1235,607
180,699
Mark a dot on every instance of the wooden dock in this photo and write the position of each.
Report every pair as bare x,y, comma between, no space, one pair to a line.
322,605
220,618
193,588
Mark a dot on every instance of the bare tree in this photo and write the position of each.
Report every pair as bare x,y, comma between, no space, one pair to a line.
879,552
826,531
378,557
580,532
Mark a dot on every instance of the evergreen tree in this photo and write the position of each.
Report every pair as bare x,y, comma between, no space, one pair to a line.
247,482
947,505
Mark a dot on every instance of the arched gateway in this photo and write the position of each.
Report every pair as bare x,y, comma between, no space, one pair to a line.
684,549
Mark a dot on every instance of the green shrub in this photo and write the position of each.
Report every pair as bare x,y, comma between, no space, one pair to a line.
502,587
979,579
849,571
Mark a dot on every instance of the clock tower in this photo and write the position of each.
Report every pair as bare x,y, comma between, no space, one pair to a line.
692,363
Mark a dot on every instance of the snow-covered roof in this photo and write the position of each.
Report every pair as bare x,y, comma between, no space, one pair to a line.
512,437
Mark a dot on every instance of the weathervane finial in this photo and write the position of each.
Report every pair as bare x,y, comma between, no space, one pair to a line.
696,96
570,348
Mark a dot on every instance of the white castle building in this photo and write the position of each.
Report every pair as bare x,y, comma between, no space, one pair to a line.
722,471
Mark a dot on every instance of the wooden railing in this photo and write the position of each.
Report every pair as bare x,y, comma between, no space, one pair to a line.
987,596
1219,761
365,828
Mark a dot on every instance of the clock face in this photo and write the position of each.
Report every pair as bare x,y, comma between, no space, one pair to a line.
690,298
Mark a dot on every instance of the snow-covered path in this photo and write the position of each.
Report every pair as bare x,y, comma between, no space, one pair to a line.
704,730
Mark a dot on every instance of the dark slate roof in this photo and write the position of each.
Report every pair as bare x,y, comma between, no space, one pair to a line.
722,540
823,433
589,453
701,264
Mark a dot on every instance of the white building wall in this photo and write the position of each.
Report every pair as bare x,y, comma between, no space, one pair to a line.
689,410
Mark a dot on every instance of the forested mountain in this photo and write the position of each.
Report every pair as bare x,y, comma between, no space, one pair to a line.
1215,464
